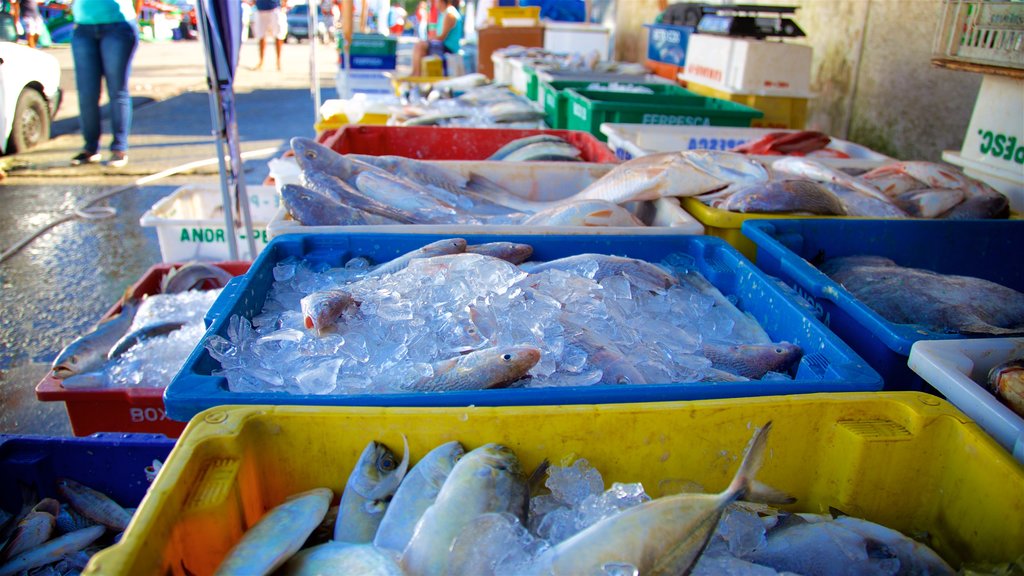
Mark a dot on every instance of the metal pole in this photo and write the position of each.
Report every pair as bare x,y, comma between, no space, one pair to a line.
346,23
314,68
237,173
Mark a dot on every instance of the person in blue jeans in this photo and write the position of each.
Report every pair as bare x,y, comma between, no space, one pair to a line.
103,43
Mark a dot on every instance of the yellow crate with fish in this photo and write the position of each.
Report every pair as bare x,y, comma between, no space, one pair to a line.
909,462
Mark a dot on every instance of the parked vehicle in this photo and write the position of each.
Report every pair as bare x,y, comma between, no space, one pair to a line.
29,96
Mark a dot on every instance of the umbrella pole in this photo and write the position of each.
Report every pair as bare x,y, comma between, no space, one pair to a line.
314,68
237,174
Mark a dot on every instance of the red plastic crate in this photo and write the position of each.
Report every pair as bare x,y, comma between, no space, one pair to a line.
440,143
123,409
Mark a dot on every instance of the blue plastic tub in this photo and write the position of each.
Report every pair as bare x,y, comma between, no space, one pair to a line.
369,62
790,249
667,43
828,364
114,464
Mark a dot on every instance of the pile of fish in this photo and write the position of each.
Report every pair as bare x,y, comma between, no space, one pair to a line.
940,303
476,513
1006,382
147,342
451,316
540,59
484,106
61,535
351,189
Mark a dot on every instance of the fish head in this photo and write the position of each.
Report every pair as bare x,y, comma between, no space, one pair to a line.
730,167
780,357
81,356
378,472
495,460
516,361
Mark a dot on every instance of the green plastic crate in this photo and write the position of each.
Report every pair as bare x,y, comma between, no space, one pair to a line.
553,96
370,45
588,109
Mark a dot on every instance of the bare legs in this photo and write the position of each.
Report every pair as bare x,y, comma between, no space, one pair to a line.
418,52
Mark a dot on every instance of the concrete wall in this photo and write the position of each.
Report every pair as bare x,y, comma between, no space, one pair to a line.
871,72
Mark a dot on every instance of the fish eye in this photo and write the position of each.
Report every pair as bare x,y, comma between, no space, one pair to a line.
387,463
506,357
310,154
779,350
74,359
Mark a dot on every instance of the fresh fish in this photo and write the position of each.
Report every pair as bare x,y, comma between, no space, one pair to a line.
312,156
978,200
487,479
597,267
34,529
193,276
69,520
483,188
342,559
1006,381
438,248
418,490
937,302
278,535
513,111
541,151
321,310
370,486
93,504
616,367
435,118
914,557
52,551
859,204
405,197
584,213
424,173
314,209
798,196
729,167
662,536
795,166
513,252
745,328
141,335
980,205
928,202
518,143
480,370
89,352
89,380
343,193
752,360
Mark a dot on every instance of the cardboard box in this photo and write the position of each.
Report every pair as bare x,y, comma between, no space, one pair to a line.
491,38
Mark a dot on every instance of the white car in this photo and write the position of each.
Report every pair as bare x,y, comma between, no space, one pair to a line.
29,96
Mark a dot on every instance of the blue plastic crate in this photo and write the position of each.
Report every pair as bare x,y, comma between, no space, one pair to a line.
667,43
828,364
790,249
369,62
114,464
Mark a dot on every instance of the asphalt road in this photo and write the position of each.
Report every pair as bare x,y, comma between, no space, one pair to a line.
60,284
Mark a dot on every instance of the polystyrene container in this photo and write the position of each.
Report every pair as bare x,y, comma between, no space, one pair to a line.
959,369
578,37
541,181
139,409
634,140
749,66
828,365
908,461
190,223
979,248
369,81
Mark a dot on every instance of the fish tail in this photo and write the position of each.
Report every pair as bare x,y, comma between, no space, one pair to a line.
743,482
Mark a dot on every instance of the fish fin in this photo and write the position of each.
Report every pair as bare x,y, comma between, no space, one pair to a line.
836,512
536,480
743,481
765,494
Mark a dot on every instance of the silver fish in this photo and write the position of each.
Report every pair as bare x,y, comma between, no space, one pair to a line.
752,360
141,335
344,193
915,558
31,531
342,559
662,536
481,369
540,151
93,504
640,273
314,209
69,520
192,276
745,328
513,252
321,310
800,167
799,196
518,143
370,486
425,173
513,111
859,204
52,551
278,535
487,479
929,202
435,118
418,490
315,157
88,380
584,213
405,197
89,352
438,248
616,367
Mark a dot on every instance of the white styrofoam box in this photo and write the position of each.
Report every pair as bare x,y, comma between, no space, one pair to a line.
995,135
956,367
1010,184
502,69
190,223
577,37
364,81
635,140
537,181
747,66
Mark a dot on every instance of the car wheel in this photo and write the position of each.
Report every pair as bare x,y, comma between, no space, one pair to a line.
31,121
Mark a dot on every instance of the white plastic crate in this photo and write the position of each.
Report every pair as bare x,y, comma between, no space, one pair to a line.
995,136
635,140
364,81
956,367
747,66
190,223
540,181
577,37
981,32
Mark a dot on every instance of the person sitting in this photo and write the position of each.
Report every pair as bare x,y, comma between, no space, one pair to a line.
447,40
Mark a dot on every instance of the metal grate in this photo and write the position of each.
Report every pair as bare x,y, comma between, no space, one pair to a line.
982,32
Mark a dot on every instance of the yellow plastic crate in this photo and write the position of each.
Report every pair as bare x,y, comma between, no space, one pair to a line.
338,120
397,81
907,460
779,111
514,15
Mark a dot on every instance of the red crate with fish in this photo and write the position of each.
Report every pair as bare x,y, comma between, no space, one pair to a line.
441,143
93,405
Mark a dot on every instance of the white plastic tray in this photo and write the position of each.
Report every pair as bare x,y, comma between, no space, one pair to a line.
540,181
955,368
635,140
